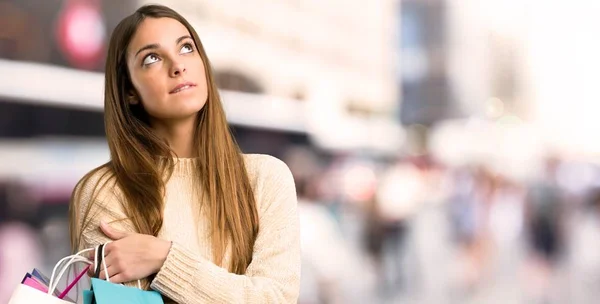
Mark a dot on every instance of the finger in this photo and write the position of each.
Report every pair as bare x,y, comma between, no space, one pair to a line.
112,271
91,256
119,278
111,266
108,247
110,255
90,271
112,233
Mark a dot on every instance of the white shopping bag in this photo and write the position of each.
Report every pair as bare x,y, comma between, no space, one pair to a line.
29,295
24,294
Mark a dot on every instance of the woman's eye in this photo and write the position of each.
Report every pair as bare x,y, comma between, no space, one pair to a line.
187,48
150,59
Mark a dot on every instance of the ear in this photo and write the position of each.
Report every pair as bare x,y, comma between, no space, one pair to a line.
133,98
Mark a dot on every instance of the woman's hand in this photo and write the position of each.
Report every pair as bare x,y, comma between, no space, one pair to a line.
132,256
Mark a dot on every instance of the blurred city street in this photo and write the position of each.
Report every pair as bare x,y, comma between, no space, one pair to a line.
444,151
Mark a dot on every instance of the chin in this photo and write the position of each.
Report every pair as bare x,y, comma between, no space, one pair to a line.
189,111
189,104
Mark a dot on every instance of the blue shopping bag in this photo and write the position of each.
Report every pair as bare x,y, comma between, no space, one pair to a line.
105,292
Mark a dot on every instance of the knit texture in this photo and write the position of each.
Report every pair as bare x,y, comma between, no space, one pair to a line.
189,274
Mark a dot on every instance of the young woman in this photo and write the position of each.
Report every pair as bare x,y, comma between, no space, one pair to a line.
183,209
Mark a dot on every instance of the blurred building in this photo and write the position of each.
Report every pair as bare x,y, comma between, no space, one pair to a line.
427,97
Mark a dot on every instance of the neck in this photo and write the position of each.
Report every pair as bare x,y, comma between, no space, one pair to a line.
179,134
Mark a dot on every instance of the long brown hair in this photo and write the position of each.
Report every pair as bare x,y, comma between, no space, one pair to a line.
140,160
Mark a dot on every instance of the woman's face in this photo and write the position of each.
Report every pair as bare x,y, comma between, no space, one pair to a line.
166,70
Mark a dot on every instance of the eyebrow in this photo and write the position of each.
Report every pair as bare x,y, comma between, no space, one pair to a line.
156,45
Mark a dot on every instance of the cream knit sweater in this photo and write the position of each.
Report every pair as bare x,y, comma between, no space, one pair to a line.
189,274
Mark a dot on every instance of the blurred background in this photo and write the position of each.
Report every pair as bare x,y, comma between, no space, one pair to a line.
444,151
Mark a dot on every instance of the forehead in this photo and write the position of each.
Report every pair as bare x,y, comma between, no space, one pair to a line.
163,31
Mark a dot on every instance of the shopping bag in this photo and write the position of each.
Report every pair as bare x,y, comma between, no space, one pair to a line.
37,275
105,292
25,294
35,284
34,292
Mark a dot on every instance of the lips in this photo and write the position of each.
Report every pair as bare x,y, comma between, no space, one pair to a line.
182,87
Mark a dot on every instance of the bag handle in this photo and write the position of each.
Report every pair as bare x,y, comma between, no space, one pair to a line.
101,261
66,290
76,258
99,254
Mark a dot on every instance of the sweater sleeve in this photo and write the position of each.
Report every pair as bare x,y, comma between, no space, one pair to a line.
96,200
273,276
103,198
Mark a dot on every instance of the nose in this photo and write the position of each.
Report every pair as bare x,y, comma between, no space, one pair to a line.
177,69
